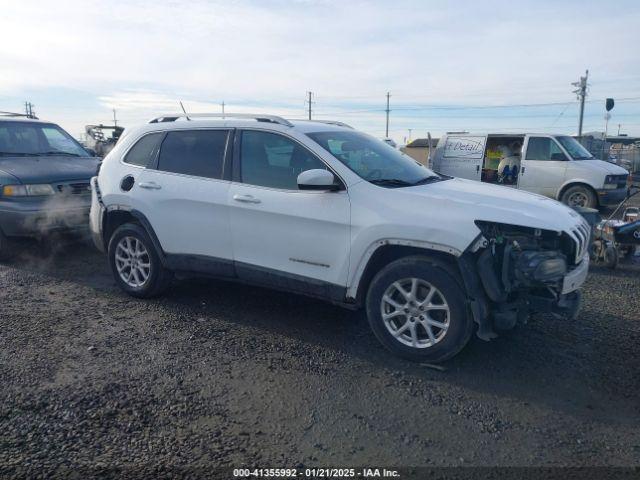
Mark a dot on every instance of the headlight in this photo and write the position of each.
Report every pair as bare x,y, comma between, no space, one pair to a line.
611,182
541,266
27,190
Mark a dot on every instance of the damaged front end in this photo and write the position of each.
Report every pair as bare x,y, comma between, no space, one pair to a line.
512,271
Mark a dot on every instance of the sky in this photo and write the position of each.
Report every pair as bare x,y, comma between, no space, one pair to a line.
502,66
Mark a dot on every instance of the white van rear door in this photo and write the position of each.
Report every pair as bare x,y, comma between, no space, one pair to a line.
463,156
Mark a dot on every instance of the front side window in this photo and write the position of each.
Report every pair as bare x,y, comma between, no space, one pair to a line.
36,139
577,151
544,148
144,150
271,160
373,160
194,152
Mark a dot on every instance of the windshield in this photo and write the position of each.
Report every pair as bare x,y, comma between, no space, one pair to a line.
37,139
374,160
577,151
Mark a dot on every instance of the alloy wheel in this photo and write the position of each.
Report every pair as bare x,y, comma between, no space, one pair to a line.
415,312
133,262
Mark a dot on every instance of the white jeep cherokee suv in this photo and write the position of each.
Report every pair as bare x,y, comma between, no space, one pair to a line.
320,209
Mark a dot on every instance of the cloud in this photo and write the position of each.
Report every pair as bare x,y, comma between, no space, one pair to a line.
143,54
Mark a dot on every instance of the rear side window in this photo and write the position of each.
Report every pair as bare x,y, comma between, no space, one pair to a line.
144,151
194,152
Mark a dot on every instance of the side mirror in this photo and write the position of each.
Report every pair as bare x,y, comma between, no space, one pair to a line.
91,152
318,179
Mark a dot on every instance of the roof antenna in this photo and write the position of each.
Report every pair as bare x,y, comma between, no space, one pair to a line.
185,112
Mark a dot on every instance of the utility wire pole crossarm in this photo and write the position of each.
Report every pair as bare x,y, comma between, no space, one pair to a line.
581,92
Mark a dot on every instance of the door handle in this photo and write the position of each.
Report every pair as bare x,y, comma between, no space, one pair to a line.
246,199
149,185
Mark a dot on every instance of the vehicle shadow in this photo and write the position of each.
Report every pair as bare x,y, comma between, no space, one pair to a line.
572,366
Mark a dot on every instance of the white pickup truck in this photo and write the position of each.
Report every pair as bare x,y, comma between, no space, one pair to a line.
555,166
320,209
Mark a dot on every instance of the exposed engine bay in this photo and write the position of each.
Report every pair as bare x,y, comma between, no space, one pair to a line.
521,270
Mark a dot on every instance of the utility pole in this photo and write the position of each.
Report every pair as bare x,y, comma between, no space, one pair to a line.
410,130
28,110
310,95
581,93
619,125
115,120
386,135
222,105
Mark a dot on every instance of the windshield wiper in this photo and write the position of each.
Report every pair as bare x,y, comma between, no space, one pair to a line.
391,182
429,179
18,154
58,152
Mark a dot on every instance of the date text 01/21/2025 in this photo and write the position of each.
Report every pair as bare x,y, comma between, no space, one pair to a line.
315,473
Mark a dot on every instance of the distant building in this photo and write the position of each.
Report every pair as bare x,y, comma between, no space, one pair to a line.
419,149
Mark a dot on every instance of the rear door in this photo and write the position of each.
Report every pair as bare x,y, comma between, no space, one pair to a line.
543,166
184,196
284,236
463,156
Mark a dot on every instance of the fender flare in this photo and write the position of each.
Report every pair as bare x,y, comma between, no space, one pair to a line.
356,276
146,224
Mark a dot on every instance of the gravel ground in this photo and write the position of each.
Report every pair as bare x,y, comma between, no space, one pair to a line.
217,374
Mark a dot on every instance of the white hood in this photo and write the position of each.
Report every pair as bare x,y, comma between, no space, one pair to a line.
600,165
502,204
443,213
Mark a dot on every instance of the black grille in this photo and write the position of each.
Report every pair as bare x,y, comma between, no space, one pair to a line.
80,188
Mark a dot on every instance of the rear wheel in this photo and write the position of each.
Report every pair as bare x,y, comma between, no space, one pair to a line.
136,264
417,311
580,196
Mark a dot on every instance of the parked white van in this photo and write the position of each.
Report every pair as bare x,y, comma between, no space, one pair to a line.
555,166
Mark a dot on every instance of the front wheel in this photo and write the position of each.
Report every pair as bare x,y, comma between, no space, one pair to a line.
417,311
580,196
135,263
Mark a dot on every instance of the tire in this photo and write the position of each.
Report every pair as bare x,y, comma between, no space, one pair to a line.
579,196
4,247
149,278
437,346
611,257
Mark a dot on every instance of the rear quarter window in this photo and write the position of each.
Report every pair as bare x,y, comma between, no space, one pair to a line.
144,150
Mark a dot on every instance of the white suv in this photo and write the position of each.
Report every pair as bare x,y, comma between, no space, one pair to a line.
320,209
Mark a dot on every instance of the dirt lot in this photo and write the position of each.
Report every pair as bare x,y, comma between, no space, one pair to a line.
221,374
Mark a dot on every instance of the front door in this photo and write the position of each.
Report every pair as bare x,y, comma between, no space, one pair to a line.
284,236
543,166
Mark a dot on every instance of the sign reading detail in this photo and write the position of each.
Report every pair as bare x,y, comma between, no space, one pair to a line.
467,147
